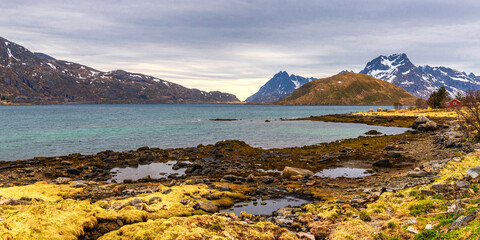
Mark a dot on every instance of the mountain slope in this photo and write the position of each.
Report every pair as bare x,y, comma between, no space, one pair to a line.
419,81
348,89
278,87
36,77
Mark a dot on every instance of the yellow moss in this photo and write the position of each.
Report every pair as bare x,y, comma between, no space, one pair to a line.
441,113
217,226
458,170
352,229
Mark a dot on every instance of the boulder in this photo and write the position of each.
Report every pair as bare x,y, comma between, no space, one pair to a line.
427,192
420,120
439,187
474,172
464,220
431,126
394,154
206,206
462,184
414,173
295,173
385,163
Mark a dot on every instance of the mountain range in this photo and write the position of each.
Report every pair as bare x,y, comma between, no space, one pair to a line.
28,77
278,87
349,89
420,81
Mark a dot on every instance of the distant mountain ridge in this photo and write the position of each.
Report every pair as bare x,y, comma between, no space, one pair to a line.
38,78
278,87
420,81
349,89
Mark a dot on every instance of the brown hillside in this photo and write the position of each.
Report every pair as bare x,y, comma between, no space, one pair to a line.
349,89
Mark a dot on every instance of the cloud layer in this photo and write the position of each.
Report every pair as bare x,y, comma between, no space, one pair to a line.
236,46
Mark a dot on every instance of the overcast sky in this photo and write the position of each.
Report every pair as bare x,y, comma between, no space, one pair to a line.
236,46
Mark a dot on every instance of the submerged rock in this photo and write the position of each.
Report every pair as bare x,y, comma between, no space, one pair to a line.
296,173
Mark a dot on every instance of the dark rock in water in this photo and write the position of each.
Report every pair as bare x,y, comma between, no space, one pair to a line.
373,132
179,165
385,163
74,171
420,120
205,206
128,181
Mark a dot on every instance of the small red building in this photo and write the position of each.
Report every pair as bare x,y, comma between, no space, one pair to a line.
453,104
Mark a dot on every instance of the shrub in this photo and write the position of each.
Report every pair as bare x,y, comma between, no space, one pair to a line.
365,217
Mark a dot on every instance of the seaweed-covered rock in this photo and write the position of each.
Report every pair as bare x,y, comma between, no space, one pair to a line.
296,173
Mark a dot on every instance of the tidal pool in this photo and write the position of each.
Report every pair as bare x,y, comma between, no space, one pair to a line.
154,170
344,172
271,205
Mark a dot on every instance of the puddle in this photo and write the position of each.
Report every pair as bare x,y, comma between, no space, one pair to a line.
154,170
344,172
267,171
271,206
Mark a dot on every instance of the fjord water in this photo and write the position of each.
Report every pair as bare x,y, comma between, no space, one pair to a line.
52,130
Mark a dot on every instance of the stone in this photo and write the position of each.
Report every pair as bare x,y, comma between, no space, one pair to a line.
430,126
206,206
464,220
394,154
210,196
429,226
184,201
129,180
295,173
79,184
385,163
462,184
474,172
74,171
439,187
136,201
373,132
167,191
155,199
413,221
63,180
305,235
420,120
268,180
412,230
427,192
224,188
251,178
415,174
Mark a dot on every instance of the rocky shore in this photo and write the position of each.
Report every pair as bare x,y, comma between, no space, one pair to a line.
86,201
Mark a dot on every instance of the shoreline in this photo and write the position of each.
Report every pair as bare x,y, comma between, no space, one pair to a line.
233,167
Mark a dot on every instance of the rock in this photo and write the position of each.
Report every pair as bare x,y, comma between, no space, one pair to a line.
74,171
412,230
206,206
136,201
413,221
456,208
464,220
462,184
66,163
385,163
305,235
429,226
268,180
167,191
414,174
210,196
184,201
427,192
129,180
224,188
79,184
373,132
431,126
420,120
295,173
233,178
63,180
251,178
439,187
394,154
155,199
474,172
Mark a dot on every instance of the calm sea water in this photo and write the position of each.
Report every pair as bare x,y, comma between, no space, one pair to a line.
52,130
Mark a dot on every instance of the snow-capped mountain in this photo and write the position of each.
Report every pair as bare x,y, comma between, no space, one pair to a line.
278,87
419,81
39,78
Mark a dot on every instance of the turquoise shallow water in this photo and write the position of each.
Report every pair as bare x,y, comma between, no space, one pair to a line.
51,130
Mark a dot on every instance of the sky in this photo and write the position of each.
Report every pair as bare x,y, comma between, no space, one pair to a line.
236,46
